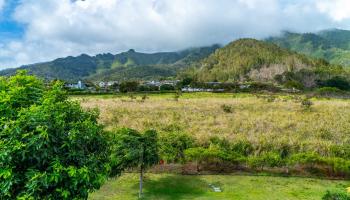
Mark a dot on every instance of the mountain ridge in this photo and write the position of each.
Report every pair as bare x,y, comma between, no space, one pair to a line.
104,66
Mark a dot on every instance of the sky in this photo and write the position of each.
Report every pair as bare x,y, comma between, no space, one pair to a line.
34,31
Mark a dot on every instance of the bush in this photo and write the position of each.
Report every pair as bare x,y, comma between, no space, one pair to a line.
337,82
336,196
243,148
306,103
50,148
173,146
194,154
226,108
294,84
329,91
128,86
167,87
201,154
147,88
268,159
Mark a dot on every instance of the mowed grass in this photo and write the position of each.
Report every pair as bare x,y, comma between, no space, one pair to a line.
264,123
235,187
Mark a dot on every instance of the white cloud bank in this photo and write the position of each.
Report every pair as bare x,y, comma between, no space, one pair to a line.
338,10
59,28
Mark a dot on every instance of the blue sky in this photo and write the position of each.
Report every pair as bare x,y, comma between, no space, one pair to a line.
41,30
9,28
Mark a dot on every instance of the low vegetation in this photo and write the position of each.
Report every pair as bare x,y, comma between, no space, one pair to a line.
52,148
287,134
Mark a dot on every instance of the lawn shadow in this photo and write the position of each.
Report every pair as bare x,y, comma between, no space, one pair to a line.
172,187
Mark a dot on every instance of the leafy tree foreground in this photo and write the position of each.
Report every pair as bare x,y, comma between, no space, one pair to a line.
50,148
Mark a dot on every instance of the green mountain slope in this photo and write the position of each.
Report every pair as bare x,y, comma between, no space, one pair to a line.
126,65
332,45
249,59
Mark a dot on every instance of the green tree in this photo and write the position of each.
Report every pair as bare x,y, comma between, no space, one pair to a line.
167,87
133,149
128,86
49,147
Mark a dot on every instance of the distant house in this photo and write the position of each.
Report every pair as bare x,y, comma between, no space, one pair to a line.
170,82
106,84
102,84
190,89
111,83
153,83
80,85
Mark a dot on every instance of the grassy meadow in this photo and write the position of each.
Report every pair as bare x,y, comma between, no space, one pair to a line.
174,187
266,122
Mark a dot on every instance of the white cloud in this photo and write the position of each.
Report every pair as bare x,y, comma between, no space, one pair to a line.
59,28
338,10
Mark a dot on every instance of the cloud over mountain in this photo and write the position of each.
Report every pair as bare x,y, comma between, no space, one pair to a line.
59,28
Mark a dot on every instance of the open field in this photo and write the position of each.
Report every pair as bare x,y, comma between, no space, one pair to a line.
271,124
267,123
177,187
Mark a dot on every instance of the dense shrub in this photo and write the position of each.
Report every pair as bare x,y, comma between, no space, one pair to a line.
305,158
167,87
242,153
337,82
294,84
226,108
147,88
128,86
329,91
49,147
268,159
243,148
173,145
306,103
220,150
336,196
211,154
341,151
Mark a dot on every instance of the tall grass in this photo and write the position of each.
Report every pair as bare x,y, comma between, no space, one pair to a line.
265,124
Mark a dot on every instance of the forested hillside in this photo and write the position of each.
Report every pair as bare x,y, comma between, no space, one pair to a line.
126,65
253,60
332,45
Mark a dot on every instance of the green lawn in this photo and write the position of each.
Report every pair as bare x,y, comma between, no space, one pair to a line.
238,187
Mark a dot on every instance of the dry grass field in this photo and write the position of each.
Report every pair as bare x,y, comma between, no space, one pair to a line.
267,122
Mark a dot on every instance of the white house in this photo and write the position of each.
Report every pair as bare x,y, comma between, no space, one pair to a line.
79,85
